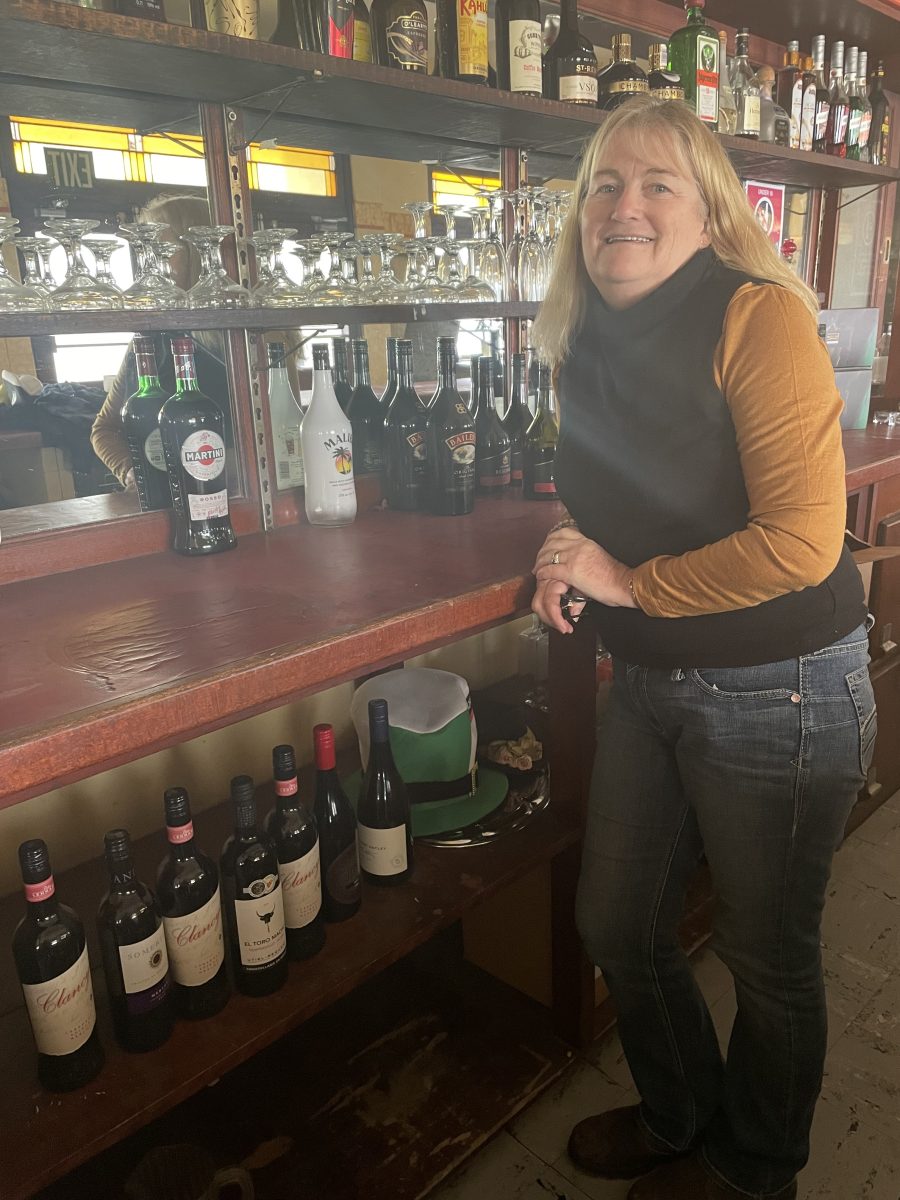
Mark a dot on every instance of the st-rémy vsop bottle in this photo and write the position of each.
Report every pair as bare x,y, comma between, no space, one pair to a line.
519,47
570,65
133,945
384,827
187,884
253,903
140,422
52,964
405,449
293,830
366,415
451,441
193,438
341,892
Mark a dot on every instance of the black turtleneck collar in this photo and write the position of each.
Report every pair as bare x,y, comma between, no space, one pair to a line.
639,318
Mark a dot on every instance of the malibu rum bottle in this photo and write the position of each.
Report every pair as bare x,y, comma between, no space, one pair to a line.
326,437
694,55
140,420
192,428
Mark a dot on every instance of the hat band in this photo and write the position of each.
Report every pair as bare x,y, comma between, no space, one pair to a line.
444,789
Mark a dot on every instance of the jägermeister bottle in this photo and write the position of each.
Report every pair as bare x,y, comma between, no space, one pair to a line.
694,55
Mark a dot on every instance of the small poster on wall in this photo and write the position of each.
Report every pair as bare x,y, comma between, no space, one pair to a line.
767,202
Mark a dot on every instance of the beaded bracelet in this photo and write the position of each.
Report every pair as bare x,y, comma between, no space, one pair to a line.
569,523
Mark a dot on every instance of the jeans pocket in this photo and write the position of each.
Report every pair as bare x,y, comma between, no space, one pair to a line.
742,684
860,687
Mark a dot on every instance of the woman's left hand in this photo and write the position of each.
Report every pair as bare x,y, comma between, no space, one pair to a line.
569,557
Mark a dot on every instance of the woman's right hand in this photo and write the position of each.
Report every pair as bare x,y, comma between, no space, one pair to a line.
547,605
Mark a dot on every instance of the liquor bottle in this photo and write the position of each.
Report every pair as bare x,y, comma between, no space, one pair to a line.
570,65
366,415
287,417
516,419
133,945
252,899
390,388
808,108
150,10
492,471
865,122
405,448
339,28
789,92
326,438
664,84
694,55
342,388
286,30
520,66
140,422
400,34
855,101
774,123
880,136
187,885
461,40
623,78
823,97
473,383
362,32
341,892
293,830
450,441
839,101
51,960
727,119
745,88
384,828
540,443
193,429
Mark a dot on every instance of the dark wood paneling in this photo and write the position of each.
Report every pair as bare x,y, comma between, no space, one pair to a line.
869,457
886,682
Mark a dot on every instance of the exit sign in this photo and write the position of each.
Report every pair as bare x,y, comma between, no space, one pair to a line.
69,168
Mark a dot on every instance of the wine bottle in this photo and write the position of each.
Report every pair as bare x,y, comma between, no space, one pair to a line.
473,383
727,119
326,438
390,388
384,828
808,107
839,101
461,40
286,416
491,439
253,902
193,438
823,97
570,65
400,34
339,28
745,86
694,55
854,116
286,31
540,443
517,419
293,830
450,441
342,389
362,32
140,422
880,136
341,890
520,67
133,945
366,415
624,78
865,119
187,884
789,92
405,448
51,960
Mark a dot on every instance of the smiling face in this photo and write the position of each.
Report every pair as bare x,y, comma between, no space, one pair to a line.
642,218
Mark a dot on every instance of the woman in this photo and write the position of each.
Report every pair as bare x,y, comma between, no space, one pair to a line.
700,459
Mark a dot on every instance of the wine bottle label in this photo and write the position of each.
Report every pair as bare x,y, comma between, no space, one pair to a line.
153,450
301,888
204,508
707,79
633,86
493,471
750,121
179,834
286,787
195,943
407,41
796,113
808,118
372,457
61,1011
841,120
578,89
822,114
525,56
203,455
342,877
472,37
145,972
362,41
259,918
382,851
540,473
853,127
340,28
865,129
35,892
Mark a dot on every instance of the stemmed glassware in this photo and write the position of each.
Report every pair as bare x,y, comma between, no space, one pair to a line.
274,289
492,262
388,288
154,287
532,258
337,288
103,246
79,290
215,288
30,248
15,297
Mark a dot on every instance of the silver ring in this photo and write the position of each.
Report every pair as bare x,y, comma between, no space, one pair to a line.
555,559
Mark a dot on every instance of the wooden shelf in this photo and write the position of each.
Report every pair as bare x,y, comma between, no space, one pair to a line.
869,457
46,1136
259,319
162,648
353,108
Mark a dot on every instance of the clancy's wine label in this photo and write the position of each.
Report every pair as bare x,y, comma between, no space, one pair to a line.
301,888
407,41
61,1010
382,851
472,37
195,943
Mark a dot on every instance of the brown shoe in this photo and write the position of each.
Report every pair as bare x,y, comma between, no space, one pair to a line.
688,1179
614,1145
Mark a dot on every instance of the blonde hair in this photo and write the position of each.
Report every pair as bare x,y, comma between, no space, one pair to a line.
734,233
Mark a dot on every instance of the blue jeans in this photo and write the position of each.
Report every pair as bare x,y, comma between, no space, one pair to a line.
758,768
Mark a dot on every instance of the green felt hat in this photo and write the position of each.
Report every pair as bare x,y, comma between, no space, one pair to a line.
433,739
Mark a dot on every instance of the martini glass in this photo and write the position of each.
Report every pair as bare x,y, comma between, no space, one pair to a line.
79,290
215,288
